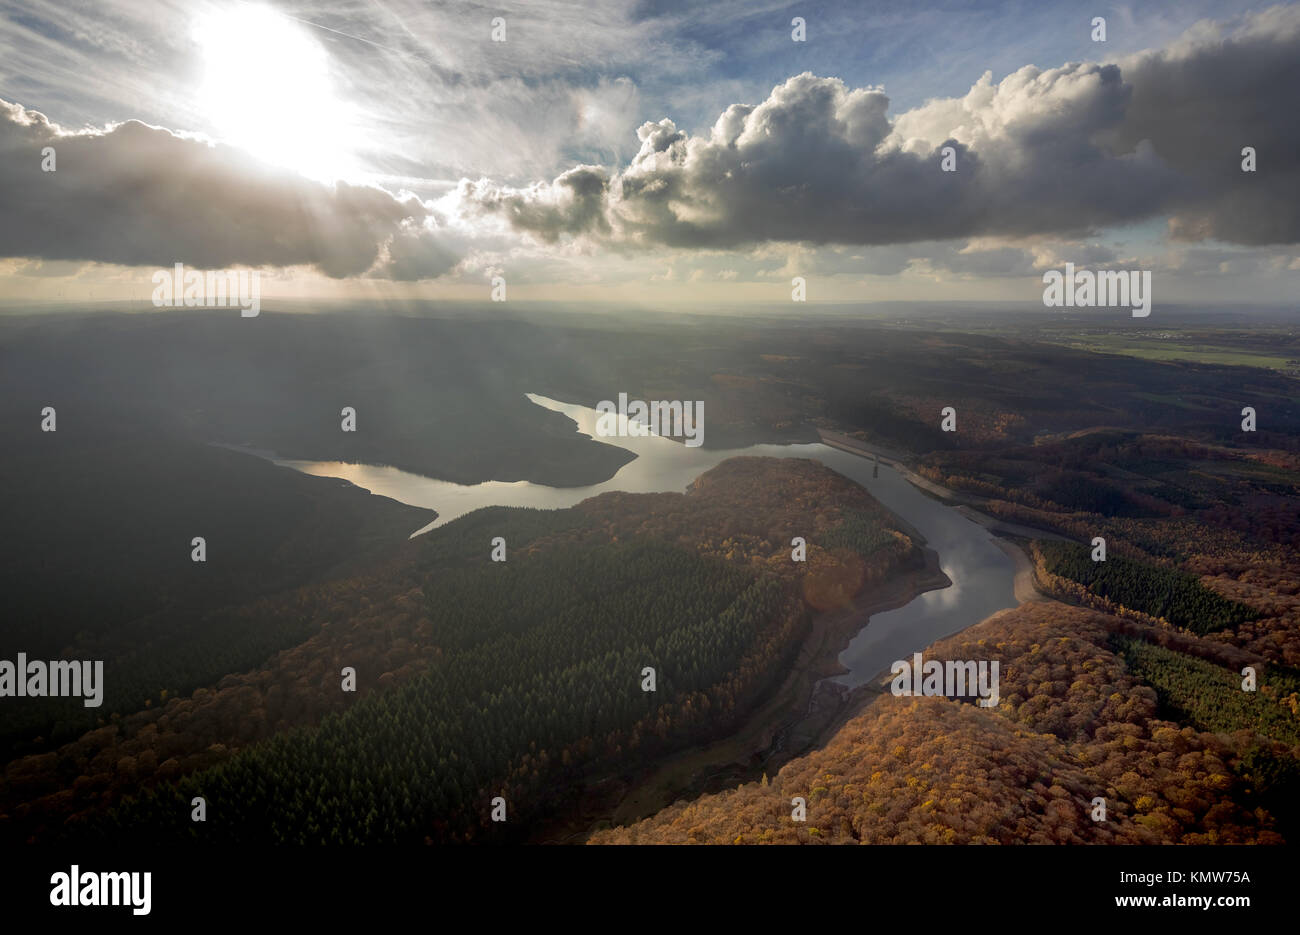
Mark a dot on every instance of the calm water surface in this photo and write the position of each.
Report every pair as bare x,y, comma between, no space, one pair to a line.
982,574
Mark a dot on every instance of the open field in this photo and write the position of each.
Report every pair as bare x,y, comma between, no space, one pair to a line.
1280,352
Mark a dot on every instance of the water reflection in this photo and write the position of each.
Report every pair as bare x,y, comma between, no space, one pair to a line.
982,574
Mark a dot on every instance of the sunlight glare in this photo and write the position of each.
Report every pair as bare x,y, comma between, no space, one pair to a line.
267,89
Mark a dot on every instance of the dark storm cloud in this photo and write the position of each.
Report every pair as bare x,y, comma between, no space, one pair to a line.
1064,152
139,196
1206,97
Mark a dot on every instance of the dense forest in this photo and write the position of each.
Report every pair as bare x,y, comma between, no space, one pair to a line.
1163,593
540,669
106,571
1140,703
1209,697
1074,724
522,679
513,678
1158,495
1225,514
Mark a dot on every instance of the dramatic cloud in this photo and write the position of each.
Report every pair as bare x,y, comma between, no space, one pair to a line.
817,172
1064,151
572,204
1206,97
137,195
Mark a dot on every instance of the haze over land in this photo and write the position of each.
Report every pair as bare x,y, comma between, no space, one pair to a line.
824,231
205,663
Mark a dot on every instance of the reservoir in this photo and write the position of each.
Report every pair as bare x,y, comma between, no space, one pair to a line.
982,574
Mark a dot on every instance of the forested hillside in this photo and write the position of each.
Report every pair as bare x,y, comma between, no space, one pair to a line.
523,679
105,570
539,673
1165,593
482,678
1208,539
1074,724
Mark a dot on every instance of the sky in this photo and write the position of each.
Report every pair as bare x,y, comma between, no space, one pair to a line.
662,152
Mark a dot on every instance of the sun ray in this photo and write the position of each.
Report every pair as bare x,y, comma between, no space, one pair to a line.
267,88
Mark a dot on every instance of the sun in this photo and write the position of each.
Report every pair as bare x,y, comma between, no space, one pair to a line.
267,88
